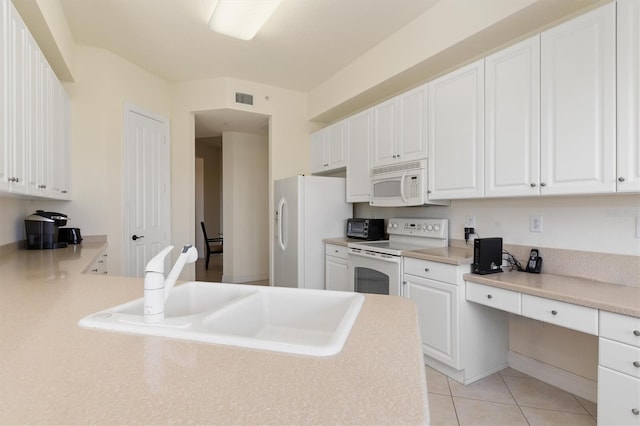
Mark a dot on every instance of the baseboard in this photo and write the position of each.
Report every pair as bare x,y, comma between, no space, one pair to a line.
565,380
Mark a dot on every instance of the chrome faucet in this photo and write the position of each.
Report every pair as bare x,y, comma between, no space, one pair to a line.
156,288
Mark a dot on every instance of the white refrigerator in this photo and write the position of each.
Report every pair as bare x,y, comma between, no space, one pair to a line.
307,209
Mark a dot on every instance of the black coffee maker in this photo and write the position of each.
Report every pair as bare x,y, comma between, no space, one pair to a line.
42,230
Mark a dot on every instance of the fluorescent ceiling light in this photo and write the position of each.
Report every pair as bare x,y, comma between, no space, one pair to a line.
241,18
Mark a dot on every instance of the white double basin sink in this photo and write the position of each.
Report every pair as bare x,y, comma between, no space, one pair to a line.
297,321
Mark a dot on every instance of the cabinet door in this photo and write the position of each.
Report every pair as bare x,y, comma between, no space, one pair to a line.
65,134
318,160
385,133
437,318
618,398
628,84
337,274
5,84
359,139
512,121
337,152
578,138
412,125
456,134
18,101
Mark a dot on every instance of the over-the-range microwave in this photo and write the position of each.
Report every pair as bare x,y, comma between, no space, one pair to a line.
401,185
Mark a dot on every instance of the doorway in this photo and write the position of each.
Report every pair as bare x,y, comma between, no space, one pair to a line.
234,149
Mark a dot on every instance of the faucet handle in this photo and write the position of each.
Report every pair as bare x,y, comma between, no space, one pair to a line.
157,263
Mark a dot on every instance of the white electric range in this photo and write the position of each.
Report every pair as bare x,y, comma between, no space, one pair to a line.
376,266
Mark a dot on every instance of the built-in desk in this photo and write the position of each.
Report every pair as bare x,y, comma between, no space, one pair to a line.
607,310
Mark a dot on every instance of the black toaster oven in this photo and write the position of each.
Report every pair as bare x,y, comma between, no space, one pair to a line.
365,229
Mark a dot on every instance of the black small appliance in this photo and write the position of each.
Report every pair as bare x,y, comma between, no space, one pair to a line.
366,229
42,230
487,256
69,235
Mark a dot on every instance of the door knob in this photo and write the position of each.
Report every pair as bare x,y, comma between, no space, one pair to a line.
135,237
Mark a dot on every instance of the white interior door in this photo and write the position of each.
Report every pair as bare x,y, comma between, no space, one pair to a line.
146,188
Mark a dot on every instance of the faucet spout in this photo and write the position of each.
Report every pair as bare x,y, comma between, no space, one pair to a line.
189,254
156,288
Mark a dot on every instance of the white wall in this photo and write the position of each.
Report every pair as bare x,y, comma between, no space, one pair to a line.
590,223
12,214
245,207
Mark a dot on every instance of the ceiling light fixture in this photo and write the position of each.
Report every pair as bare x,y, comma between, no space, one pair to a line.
241,18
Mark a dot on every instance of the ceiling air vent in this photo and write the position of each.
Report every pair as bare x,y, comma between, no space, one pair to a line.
244,98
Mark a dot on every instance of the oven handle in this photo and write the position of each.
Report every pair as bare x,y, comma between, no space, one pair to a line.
373,255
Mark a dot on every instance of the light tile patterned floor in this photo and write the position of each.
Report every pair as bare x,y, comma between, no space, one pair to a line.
507,398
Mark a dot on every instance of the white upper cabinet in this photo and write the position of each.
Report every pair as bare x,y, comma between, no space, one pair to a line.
456,134
400,126
34,115
512,120
628,179
359,138
328,149
578,105
5,173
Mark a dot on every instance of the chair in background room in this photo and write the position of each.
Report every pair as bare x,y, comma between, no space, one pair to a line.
214,245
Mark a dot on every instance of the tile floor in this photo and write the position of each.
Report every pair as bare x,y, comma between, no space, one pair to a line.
507,398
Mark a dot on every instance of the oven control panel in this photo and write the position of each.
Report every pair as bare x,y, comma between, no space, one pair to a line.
428,228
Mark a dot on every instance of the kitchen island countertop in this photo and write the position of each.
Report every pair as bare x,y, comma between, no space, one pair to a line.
54,372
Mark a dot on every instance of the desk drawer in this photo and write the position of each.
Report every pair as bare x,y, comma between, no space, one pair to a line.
498,298
619,357
567,315
621,328
431,270
337,251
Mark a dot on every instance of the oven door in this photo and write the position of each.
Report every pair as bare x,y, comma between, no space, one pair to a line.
377,273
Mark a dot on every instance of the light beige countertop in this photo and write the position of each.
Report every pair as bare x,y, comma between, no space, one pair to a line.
54,372
341,241
610,297
450,255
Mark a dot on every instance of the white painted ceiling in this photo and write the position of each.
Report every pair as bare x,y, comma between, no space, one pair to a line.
303,44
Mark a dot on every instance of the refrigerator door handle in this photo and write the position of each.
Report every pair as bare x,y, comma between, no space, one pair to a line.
280,226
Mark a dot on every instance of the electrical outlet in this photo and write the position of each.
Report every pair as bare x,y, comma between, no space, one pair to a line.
470,222
535,223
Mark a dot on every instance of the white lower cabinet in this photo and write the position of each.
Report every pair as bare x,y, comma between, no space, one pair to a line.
453,331
619,370
336,268
99,265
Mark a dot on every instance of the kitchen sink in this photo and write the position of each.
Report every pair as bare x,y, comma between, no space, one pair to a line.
298,321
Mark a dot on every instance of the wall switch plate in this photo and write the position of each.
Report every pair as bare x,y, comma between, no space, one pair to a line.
470,222
535,223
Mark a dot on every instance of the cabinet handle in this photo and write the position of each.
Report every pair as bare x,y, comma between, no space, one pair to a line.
554,312
636,332
94,270
620,179
64,191
543,184
426,269
16,180
489,296
636,364
635,411
533,185
326,164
